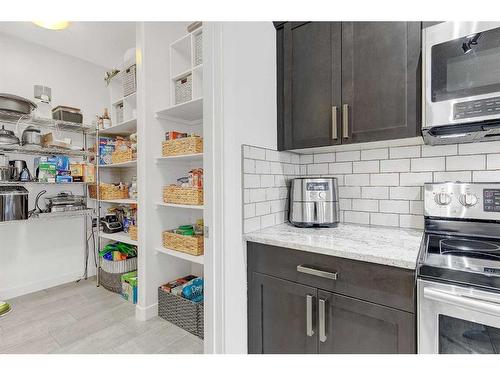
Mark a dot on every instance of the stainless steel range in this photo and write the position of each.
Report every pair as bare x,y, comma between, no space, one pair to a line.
458,286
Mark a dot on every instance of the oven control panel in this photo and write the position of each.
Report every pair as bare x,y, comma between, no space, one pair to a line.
462,200
476,108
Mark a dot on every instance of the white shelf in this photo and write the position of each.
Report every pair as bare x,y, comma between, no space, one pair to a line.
126,164
188,157
118,201
119,237
124,128
181,75
128,97
191,258
188,113
190,206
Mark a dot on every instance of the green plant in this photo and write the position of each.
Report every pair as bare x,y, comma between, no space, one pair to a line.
109,76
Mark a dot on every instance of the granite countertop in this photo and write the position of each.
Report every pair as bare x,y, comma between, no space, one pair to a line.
383,245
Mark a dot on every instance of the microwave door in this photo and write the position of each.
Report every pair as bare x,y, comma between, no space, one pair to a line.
462,74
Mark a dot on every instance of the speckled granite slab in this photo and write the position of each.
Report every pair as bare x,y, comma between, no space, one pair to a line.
390,246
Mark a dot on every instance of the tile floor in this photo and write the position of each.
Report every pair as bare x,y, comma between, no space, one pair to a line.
79,318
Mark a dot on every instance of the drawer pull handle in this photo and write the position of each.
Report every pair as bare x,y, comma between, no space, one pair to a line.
316,272
309,315
322,320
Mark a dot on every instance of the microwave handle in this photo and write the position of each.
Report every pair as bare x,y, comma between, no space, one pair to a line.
463,301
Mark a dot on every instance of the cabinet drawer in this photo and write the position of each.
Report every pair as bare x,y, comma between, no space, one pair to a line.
385,285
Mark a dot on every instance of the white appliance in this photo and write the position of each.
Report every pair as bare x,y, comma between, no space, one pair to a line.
458,285
461,82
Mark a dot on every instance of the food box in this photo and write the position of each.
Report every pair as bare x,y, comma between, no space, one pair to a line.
45,169
129,286
48,140
76,171
88,172
106,149
62,164
63,179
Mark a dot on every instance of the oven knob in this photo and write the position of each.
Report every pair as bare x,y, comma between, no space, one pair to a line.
442,199
468,199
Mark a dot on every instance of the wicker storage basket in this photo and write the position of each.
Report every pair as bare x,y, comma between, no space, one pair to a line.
132,232
179,195
198,49
122,156
129,81
183,313
108,192
182,146
111,281
183,89
185,244
119,266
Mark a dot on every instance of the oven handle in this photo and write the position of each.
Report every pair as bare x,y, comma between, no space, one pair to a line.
463,301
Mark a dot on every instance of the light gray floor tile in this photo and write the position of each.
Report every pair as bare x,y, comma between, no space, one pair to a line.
188,344
41,345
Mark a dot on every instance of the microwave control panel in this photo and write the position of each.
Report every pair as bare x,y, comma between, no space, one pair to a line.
476,108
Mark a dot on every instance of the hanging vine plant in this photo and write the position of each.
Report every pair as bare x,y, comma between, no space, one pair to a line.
110,75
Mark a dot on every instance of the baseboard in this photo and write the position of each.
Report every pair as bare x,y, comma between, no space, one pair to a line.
146,313
6,294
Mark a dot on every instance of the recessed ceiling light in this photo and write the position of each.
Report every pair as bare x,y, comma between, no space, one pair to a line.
52,25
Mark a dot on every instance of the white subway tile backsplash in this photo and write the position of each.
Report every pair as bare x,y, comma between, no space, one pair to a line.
405,192
417,207
279,181
439,150
348,156
303,170
267,221
384,179
388,220
267,180
349,192
462,176
272,155
257,195
251,225
376,154
411,221
428,164
357,180
262,167
345,204
340,168
356,217
262,208
246,195
251,152
371,166
395,165
465,163
306,159
272,193
404,152
317,169
415,178
493,161
479,148
249,165
278,205
251,180
285,157
324,158
288,169
276,168
365,205
394,206
249,210
486,176
374,192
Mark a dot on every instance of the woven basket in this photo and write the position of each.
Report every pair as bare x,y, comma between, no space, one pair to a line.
183,313
183,89
182,146
108,192
119,266
129,80
132,232
179,195
122,156
111,281
185,244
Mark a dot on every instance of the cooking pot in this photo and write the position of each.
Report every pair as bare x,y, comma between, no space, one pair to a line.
32,136
19,168
16,104
13,203
5,173
8,137
4,160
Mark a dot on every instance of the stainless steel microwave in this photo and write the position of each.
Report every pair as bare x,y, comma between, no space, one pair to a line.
461,82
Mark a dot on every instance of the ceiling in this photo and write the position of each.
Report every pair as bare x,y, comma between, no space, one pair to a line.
101,43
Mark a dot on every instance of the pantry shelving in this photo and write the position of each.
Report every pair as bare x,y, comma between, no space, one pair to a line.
126,164
187,113
187,157
25,120
44,151
189,206
177,254
119,237
123,128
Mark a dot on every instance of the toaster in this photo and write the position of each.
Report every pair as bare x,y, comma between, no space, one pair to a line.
314,202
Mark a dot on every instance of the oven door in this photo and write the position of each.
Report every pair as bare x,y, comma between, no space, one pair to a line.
461,74
457,320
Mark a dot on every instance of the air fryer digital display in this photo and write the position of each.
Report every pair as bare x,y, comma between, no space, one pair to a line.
317,186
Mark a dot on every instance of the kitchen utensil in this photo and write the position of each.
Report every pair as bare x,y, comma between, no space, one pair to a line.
314,202
69,114
5,173
32,137
4,160
16,104
8,137
13,203
111,224
18,167
65,201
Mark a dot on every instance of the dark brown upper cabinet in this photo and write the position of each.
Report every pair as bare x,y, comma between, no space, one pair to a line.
347,82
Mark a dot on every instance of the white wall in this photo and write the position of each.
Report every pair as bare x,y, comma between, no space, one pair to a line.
249,117
36,255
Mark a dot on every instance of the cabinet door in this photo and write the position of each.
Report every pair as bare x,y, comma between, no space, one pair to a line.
353,326
310,84
381,87
278,316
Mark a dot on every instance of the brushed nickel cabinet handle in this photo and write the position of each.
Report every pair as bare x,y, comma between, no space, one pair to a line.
317,272
309,315
334,122
345,120
322,320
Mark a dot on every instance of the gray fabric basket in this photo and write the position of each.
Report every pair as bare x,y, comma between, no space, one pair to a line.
111,281
181,312
183,89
